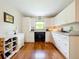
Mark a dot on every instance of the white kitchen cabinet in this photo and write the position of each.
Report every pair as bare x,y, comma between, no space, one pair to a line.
77,10
67,44
30,36
74,47
47,36
69,15
62,43
20,40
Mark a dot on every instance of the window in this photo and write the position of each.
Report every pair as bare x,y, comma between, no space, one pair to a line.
39,25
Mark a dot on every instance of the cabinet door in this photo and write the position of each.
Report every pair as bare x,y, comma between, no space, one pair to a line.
67,15
48,37
77,10
74,47
65,45
62,43
20,40
19,43
30,37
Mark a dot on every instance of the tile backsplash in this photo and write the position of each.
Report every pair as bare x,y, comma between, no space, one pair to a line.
75,27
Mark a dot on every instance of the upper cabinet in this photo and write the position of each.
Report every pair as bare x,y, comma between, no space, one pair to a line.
69,14
77,9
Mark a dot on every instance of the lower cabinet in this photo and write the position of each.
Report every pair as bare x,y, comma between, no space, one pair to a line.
74,47
62,43
48,37
68,45
20,40
30,36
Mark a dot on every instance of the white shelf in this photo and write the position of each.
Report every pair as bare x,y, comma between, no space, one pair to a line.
8,43
11,47
14,40
15,46
11,54
18,38
8,50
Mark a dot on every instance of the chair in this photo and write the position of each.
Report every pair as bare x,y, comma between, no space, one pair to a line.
1,55
1,51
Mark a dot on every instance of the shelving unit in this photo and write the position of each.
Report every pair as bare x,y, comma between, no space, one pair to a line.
10,46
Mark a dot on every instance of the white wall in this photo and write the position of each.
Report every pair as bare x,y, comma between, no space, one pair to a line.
8,27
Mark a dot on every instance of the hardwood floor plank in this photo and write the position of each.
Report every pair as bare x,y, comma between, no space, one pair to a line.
38,50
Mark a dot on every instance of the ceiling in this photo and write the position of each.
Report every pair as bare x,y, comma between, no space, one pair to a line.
39,7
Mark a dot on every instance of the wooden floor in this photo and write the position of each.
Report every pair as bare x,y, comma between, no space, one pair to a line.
38,51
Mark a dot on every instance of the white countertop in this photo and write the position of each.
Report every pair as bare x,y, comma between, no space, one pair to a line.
9,36
38,30
75,33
